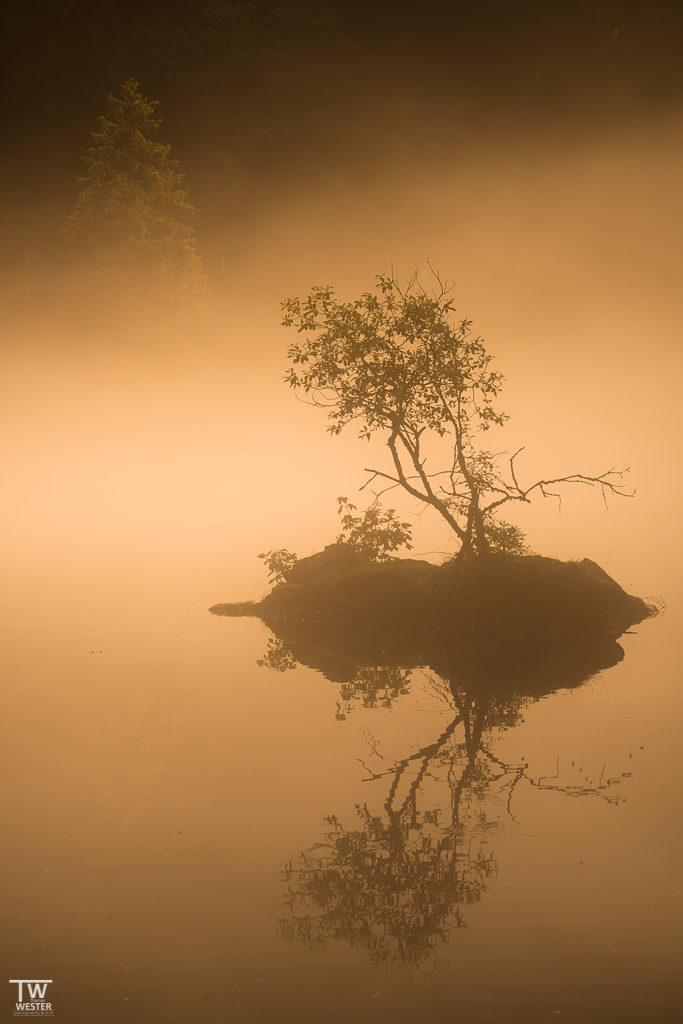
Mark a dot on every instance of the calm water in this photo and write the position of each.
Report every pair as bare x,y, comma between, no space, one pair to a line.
192,836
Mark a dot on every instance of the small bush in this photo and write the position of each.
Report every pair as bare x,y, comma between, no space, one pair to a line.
279,563
374,534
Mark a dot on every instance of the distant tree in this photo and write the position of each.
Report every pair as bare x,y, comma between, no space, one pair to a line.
132,218
398,364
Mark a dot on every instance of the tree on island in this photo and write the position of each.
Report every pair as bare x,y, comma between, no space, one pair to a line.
131,219
398,363
374,536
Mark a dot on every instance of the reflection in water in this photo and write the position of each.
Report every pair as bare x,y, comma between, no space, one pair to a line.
278,657
371,685
394,883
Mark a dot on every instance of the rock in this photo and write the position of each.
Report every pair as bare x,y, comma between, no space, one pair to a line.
333,559
237,610
342,586
531,595
502,595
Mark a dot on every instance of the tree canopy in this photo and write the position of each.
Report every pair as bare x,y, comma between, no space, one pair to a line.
399,363
132,217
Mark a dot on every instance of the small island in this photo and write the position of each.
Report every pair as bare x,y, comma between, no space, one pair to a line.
507,595
396,363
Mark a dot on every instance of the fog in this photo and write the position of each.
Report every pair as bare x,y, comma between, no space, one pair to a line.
193,455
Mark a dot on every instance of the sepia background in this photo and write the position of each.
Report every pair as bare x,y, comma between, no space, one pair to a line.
531,153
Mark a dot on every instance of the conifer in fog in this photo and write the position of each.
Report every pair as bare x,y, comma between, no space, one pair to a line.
132,218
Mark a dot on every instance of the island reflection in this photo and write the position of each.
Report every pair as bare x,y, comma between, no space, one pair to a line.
395,884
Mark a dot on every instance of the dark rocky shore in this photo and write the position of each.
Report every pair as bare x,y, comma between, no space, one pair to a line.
500,596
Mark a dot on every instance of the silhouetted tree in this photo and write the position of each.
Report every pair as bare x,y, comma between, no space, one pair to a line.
398,364
132,218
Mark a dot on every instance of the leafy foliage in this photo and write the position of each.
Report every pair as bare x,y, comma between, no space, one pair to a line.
398,363
376,533
132,217
279,562
503,537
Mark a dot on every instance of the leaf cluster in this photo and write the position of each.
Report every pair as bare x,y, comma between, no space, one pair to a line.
376,533
393,361
278,562
397,362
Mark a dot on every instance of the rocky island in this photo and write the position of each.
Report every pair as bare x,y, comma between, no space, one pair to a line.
397,363
501,595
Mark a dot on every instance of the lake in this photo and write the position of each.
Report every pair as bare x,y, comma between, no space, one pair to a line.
191,835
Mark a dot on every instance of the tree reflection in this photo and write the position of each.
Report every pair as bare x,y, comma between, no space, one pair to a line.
396,882
393,886
389,887
370,686
373,686
277,657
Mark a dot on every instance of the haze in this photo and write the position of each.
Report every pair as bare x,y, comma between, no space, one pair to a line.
568,261
164,763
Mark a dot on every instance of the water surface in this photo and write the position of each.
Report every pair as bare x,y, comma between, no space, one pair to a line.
193,836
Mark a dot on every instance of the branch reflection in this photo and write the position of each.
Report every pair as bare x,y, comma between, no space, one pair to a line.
394,882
